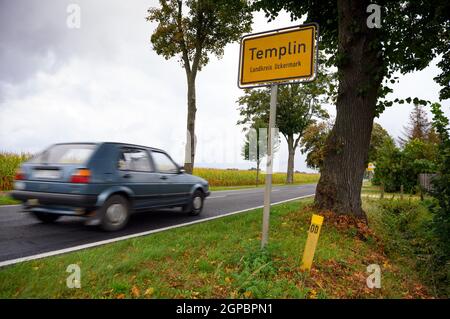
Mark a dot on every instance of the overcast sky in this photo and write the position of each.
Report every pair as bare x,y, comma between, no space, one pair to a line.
103,82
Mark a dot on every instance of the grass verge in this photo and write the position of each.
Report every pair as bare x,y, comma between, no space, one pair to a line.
222,259
6,200
370,191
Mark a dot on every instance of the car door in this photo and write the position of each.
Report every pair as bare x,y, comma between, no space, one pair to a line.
136,172
175,189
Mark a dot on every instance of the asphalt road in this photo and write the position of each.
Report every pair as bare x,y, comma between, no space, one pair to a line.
21,235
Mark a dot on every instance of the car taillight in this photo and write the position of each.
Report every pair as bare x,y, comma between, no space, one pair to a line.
81,176
20,175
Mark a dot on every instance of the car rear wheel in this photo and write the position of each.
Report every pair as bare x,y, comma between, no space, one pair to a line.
46,217
195,205
115,213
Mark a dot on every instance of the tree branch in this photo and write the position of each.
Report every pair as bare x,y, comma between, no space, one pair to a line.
297,140
199,39
185,54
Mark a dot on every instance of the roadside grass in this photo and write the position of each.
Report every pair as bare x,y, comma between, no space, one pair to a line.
6,200
373,191
222,259
406,228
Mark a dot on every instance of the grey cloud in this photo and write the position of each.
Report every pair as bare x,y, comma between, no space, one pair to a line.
34,35
29,34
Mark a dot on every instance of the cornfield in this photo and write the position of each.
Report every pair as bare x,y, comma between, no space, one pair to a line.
224,177
9,162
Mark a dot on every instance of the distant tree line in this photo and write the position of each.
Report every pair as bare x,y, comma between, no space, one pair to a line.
397,163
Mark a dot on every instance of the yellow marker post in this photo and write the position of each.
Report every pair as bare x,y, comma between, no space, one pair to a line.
311,241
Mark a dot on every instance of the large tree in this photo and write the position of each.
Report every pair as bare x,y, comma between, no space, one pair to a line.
313,144
298,106
191,30
409,35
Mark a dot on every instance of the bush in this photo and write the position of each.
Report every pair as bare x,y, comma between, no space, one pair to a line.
441,207
9,162
407,225
396,167
408,231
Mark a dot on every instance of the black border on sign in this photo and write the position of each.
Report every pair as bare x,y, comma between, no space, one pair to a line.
271,34
280,81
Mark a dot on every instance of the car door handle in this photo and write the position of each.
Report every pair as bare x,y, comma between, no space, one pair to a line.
127,175
163,177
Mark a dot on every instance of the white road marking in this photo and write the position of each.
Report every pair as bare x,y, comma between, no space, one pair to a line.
212,197
112,240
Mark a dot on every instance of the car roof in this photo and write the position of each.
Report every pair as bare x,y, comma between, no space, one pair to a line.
115,143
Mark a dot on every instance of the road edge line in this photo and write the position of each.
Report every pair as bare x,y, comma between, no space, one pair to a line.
116,239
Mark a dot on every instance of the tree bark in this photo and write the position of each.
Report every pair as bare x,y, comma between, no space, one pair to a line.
360,75
291,156
190,134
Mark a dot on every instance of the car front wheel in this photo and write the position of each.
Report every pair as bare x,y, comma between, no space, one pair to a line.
115,213
195,205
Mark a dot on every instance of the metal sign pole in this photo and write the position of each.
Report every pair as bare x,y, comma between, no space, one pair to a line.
305,51
269,165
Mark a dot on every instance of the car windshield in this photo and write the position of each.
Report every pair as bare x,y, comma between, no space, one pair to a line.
65,154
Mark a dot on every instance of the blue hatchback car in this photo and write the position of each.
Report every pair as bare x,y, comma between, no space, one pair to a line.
105,182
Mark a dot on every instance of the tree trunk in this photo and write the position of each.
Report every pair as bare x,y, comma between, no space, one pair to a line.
190,133
290,164
347,147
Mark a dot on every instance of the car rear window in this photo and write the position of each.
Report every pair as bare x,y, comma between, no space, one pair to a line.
65,154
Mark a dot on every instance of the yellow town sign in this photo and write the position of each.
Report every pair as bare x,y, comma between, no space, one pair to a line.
277,56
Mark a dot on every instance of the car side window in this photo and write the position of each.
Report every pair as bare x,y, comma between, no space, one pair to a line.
134,159
163,163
